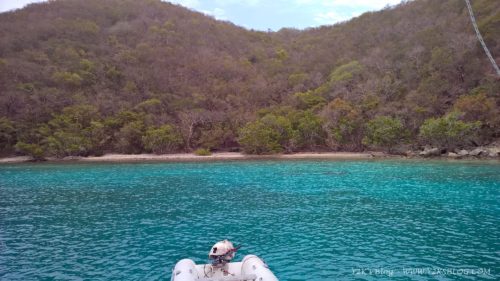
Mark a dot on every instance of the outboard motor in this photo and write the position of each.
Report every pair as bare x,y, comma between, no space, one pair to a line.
222,253
222,267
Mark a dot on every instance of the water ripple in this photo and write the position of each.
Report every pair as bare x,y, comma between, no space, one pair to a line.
310,220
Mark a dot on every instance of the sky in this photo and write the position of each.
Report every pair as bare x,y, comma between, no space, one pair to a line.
267,14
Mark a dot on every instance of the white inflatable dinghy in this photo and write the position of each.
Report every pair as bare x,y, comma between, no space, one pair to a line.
251,268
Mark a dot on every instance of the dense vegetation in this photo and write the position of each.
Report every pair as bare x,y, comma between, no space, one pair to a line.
89,77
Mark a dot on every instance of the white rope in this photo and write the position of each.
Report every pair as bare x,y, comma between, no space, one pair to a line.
473,19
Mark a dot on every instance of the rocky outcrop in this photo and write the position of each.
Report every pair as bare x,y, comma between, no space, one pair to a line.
491,151
410,153
479,151
430,152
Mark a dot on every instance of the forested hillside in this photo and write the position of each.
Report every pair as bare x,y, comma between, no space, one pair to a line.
86,77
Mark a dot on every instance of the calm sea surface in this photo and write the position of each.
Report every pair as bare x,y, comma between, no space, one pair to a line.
309,220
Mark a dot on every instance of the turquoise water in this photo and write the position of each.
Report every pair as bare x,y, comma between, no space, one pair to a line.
309,220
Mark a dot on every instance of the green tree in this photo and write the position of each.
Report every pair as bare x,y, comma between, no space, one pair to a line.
257,138
129,138
215,136
202,152
346,72
30,140
67,78
309,100
343,124
122,132
99,137
152,106
308,130
385,131
270,134
448,131
7,134
69,133
87,72
30,149
281,54
162,140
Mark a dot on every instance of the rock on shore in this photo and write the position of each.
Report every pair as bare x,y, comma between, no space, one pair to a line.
491,151
430,152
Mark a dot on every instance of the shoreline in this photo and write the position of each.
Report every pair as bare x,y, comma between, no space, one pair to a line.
190,157
228,156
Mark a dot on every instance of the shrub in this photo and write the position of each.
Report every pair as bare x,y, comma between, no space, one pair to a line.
384,131
448,131
309,100
343,123
308,130
268,135
346,72
214,136
62,143
68,133
67,78
130,138
162,140
7,134
477,107
202,152
33,150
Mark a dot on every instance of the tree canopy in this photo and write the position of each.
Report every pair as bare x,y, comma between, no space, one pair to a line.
86,77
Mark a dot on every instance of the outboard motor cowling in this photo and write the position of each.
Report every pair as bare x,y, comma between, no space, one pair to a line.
222,253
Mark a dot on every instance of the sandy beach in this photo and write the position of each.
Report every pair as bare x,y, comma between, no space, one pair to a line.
15,159
213,157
